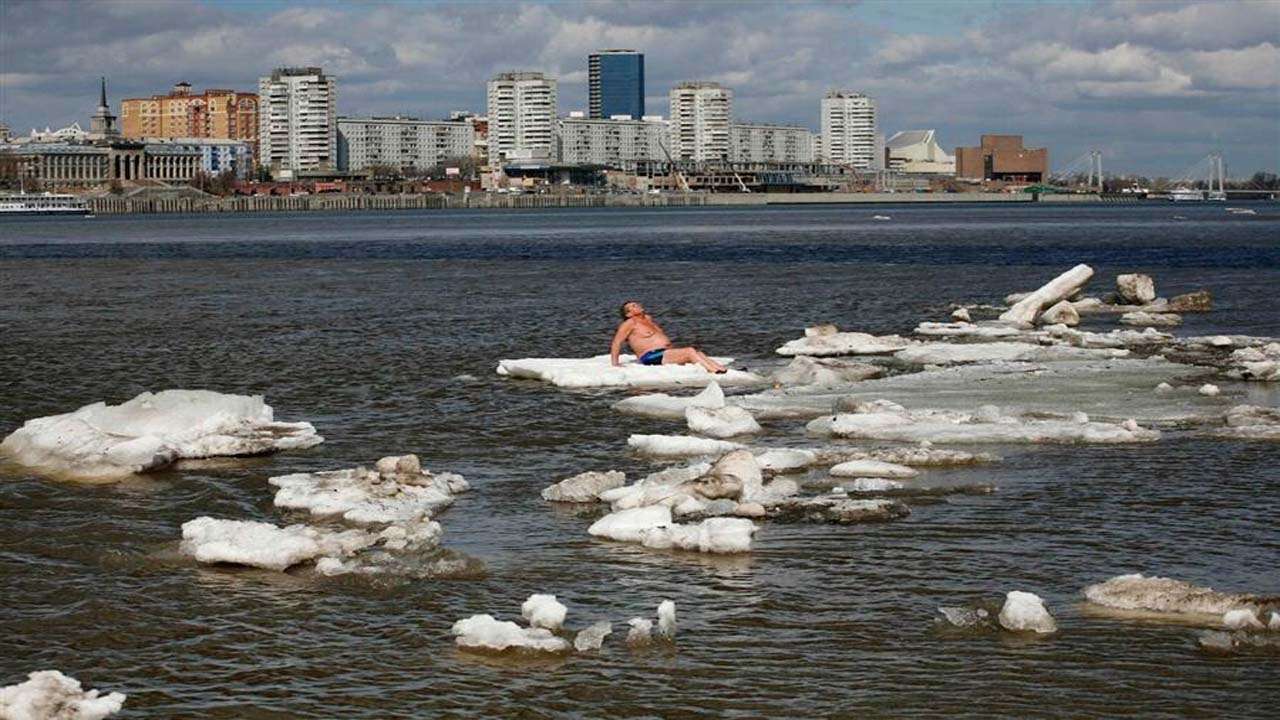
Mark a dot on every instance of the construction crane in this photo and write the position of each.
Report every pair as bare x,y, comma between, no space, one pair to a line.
677,177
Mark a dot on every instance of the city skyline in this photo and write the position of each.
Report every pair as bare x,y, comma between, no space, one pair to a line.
1154,85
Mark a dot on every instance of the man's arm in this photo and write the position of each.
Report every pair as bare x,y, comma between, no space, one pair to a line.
619,337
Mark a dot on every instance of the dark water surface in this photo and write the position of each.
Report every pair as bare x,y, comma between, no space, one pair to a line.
363,323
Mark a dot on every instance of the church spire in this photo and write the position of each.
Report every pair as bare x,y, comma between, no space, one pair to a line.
102,100
103,122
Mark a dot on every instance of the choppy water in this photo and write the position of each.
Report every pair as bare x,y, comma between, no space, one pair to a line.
362,323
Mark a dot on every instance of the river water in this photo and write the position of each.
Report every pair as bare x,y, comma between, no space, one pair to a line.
384,330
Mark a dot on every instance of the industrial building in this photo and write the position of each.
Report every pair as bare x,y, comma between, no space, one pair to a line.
1003,158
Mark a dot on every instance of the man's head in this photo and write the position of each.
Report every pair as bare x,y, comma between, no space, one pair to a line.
630,309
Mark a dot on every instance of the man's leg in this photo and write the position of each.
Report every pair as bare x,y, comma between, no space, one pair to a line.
689,356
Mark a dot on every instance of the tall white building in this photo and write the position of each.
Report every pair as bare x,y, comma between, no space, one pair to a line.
402,142
522,117
759,142
618,142
297,121
701,113
849,130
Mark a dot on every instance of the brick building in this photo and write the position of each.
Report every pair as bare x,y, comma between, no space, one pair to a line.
226,114
1002,157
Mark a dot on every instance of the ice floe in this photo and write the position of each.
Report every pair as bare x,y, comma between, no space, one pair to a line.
544,611
1136,288
641,632
951,353
151,431
398,490
1024,611
592,637
671,407
599,372
653,527
826,340
679,446
50,695
667,619
1242,619
1026,310
805,370
484,633
977,330
724,422
871,484
964,617
1061,313
1142,318
263,545
584,487
1250,422
838,510
1256,363
786,460
872,469
987,425
1173,599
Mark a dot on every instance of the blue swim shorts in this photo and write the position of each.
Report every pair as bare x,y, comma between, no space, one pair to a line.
653,357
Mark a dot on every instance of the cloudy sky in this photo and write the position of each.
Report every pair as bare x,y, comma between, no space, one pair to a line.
1155,85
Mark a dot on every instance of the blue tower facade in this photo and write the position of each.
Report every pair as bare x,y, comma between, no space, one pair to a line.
616,84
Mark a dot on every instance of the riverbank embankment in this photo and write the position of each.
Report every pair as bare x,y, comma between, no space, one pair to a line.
352,202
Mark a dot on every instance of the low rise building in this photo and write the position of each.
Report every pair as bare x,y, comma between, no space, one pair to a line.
918,151
618,142
402,142
760,142
1003,158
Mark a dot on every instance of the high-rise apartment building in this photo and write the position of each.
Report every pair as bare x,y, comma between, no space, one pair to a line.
522,117
297,122
701,113
849,130
615,84
401,142
759,142
225,114
618,142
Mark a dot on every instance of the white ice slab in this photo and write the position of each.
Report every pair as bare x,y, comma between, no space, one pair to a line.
263,545
725,422
150,431
50,695
679,446
843,343
597,372
671,407
953,353
361,495
872,469
483,632
985,426
544,611
1026,311
1025,612
1168,597
584,487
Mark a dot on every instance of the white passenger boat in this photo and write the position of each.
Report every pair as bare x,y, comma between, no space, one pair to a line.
14,204
1183,194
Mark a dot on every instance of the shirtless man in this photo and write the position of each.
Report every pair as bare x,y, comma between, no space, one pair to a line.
651,345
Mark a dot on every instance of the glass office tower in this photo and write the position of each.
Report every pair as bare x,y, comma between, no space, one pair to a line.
616,79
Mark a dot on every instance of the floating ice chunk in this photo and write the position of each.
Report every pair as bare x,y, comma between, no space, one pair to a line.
843,343
1164,387
1209,390
982,330
713,535
544,611
592,638
584,487
50,695
1151,319
631,525
1026,310
872,469
671,407
1241,619
263,545
838,510
961,315
981,427
599,372
1062,313
667,619
1253,363
805,370
1165,596
722,422
151,431
751,509
1113,339
952,353
931,457
1198,301
641,631
1274,622
964,617
483,632
786,460
1025,611
872,484
398,491
1136,288
679,446
737,475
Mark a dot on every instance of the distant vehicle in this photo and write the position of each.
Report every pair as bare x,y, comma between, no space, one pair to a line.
21,204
